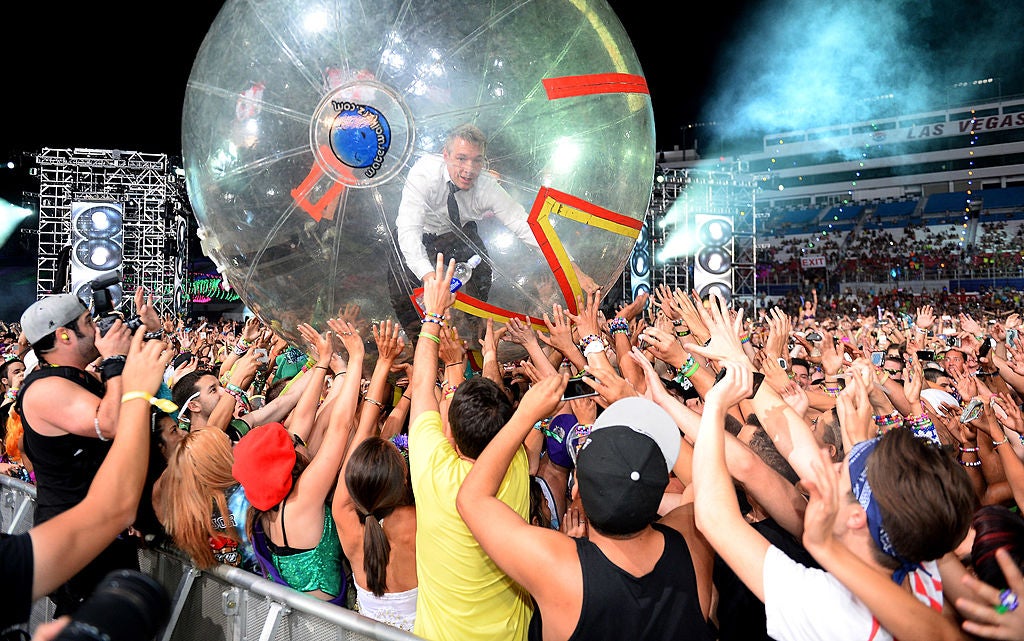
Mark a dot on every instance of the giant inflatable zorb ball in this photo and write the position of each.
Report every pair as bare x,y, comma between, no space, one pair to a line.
302,119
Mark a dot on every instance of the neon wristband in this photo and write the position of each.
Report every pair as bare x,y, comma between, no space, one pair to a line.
160,403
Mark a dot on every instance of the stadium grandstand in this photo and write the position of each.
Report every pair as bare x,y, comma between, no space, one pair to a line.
930,201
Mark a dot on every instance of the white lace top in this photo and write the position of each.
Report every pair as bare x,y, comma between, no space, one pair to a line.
394,608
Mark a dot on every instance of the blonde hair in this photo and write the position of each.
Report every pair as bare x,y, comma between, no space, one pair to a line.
197,476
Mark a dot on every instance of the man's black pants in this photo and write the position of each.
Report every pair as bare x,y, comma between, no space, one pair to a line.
401,281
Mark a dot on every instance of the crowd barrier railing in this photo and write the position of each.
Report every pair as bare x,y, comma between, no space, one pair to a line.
220,603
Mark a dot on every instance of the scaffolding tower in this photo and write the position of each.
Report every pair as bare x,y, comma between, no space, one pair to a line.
679,198
143,186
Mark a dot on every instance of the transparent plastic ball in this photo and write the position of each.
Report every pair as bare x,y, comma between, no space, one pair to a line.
302,119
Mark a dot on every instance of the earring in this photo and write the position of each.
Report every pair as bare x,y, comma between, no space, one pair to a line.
64,336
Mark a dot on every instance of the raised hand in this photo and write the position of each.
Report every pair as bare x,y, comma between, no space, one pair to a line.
855,413
779,327
559,331
387,336
543,397
1013,418
521,333
795,397
144,308
350,338
691,315
667,302
437,294
635,308
925,317
913,380
252,330
724,342
586,321
664,346
145,364
969,325
322,344
733,386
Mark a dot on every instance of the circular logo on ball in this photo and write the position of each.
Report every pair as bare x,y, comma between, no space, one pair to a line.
361,134
361,137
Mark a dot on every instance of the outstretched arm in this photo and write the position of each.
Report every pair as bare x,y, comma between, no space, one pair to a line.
436,300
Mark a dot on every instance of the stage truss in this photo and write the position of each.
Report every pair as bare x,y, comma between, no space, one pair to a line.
153,201
680,195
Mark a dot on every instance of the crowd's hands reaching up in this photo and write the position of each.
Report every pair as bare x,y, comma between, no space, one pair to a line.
560,331
664,346
724,333
925,317
691,310
388,337
855,413
779,326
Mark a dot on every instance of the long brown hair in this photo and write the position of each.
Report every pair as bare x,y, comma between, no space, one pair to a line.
198,474
376,480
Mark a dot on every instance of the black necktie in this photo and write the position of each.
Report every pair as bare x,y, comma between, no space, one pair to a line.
453,205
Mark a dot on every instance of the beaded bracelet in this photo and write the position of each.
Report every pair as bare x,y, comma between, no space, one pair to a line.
618,325
745,338
969,449
688,369
96,426
969,463
428,319
433,315
889,420
682,333
921,425
587,340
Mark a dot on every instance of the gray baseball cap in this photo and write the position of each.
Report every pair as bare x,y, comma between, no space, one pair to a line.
44,316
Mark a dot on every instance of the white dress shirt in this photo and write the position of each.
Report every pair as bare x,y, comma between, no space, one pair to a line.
424,209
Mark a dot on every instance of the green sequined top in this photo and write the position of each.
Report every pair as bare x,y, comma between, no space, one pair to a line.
317,569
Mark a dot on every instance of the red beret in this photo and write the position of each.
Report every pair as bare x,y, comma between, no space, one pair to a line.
264,459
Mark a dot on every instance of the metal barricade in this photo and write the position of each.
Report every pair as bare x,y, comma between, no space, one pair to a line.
221,603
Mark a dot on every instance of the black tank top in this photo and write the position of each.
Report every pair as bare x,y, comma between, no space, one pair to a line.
64,465
662,604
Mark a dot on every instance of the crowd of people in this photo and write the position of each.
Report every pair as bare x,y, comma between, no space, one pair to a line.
911,252
795,474
825,466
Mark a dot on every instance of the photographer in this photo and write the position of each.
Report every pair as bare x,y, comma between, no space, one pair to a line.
69,416
51,552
